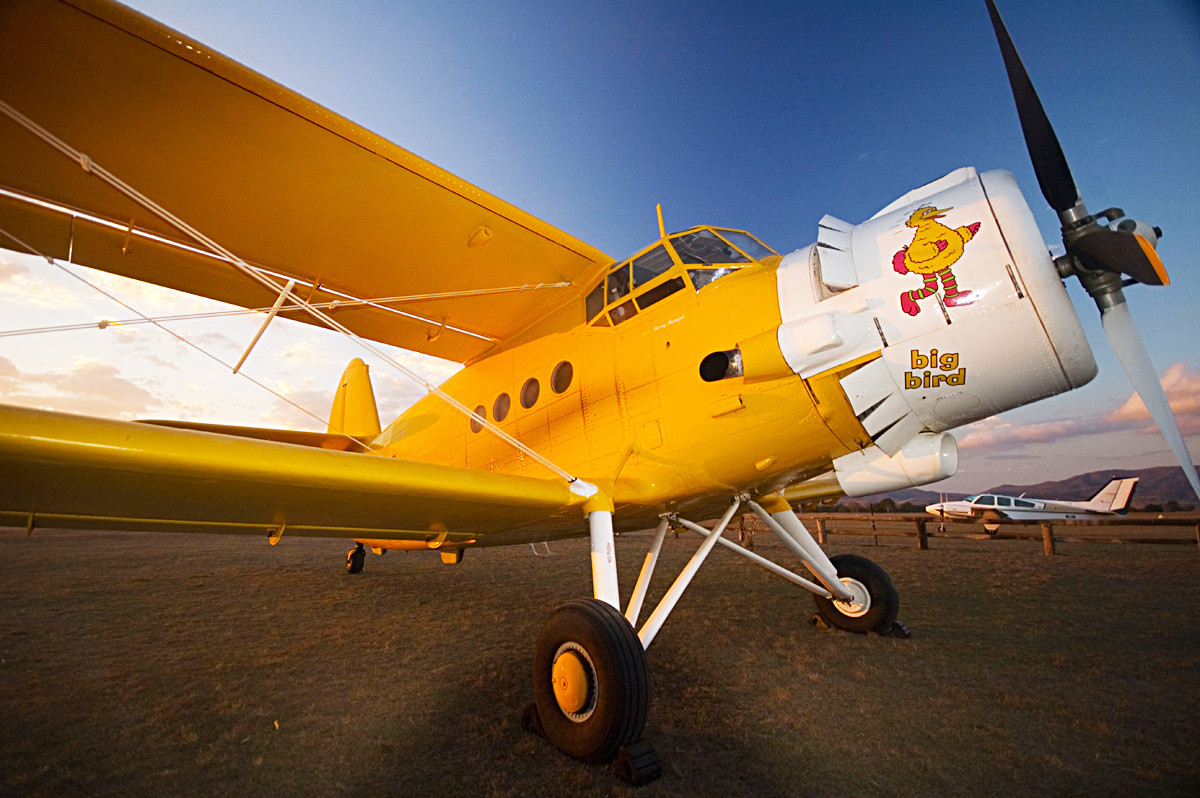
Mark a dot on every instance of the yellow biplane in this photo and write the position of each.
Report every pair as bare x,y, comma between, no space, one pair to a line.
703,376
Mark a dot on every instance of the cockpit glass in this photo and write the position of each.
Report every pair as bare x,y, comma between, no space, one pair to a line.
748,244
618,284
704,247
702,277
651,265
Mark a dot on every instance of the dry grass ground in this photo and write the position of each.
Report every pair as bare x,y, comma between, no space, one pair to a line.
160,665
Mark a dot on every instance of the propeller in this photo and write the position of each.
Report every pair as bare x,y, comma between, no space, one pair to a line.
1099,254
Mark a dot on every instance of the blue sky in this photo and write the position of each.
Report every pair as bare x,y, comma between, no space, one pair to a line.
763,116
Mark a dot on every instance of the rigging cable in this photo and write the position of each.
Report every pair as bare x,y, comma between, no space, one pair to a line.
577,485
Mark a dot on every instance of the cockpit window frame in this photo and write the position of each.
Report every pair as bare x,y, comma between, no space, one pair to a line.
645,278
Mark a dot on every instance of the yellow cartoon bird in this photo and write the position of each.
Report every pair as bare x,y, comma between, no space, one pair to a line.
934,249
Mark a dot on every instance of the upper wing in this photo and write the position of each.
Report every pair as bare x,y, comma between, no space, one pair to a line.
282,183
65,470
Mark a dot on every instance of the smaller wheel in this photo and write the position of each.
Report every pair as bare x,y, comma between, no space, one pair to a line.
355,559
875,602
591,682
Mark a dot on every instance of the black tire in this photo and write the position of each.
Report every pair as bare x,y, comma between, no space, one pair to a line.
355,559
883,600
618,680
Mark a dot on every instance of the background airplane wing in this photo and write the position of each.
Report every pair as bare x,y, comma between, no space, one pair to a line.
64,470
282,183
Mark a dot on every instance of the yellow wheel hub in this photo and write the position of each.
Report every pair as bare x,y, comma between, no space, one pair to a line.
570,680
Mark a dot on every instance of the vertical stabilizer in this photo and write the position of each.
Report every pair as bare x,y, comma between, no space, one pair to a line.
354,412
1114,497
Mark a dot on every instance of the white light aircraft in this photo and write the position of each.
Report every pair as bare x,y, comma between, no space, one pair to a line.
701,376
1112,499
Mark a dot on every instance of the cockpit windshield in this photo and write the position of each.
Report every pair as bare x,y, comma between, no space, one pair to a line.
637,283
705,247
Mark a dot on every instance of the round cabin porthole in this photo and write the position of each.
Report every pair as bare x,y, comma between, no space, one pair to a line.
529,392
501,407
477,418
560,378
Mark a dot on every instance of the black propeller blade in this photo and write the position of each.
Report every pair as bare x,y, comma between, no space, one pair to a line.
1049,163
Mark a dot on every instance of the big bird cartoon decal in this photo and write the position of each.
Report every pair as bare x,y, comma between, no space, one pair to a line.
935,248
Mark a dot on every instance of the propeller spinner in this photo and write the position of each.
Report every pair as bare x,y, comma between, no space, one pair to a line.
1097,253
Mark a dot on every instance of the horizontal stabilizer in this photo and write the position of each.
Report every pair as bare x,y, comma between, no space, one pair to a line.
320,440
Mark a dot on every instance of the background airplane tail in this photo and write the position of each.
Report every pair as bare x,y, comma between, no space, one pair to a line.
1114,497
354,412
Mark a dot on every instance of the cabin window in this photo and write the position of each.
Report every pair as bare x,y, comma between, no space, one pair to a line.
623,312
1023,503
529,392
618,283
986,500
477,418
595,301
501,407
560,378
1004,501
655,262
705,247
659,292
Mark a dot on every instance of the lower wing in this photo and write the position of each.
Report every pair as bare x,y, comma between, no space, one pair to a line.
64,470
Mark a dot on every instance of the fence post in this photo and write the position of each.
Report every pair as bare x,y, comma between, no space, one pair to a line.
821,531
922,534
1047,539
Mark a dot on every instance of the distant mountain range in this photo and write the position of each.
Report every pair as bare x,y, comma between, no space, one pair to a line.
1155,486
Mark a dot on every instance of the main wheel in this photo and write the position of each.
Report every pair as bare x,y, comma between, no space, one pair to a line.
875,601
591,682
355,559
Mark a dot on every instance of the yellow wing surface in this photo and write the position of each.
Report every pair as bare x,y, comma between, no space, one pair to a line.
64,470
279,181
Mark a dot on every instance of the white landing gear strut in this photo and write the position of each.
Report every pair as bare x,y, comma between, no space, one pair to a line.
591,679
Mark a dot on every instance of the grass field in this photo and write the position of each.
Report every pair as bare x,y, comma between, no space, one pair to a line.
161,664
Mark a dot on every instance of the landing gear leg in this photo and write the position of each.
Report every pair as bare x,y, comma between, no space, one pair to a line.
355,559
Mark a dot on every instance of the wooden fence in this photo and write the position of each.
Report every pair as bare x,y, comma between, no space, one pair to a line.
923,526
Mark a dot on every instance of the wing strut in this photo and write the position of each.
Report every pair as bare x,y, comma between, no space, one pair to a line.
287,289
91,167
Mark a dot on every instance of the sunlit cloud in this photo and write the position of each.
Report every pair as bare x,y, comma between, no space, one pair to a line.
301,407
1182,387
89,386
19,285
999,433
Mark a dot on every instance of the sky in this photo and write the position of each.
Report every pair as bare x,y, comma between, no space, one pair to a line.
755,115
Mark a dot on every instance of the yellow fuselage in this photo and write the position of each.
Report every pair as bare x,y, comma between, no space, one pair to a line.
637,419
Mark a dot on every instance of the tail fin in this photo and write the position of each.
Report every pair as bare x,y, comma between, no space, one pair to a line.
1114,497
354,412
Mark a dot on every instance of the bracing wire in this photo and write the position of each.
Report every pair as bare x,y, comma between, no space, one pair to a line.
156,322
271,285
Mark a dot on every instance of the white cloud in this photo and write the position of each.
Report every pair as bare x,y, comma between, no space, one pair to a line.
1180,383
18,285
1182,387
89,386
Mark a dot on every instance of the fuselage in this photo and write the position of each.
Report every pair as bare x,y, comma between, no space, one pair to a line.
706,364
1017,508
